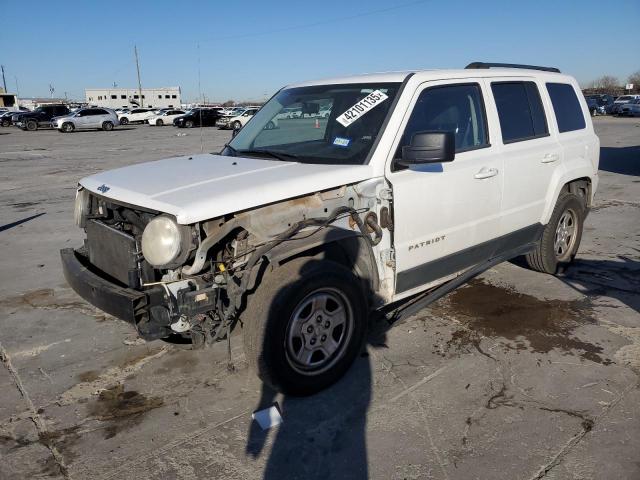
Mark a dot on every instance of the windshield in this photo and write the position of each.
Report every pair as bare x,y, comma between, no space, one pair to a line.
291,126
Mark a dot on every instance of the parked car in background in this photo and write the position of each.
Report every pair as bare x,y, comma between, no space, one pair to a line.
594,108
5,118
40,117
603,100
165,118
137,115
86,119
238,121
198,117
631,109
619,102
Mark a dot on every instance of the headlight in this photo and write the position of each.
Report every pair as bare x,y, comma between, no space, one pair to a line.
161,241
82,207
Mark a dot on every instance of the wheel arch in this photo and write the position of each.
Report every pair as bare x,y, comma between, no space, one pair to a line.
582,184
342,246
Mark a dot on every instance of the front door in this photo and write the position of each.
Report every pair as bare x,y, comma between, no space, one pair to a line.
446,214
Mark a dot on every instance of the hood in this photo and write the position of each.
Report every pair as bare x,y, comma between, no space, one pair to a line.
205,186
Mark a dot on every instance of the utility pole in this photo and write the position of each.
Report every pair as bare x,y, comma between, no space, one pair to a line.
17,89
135,49
3,80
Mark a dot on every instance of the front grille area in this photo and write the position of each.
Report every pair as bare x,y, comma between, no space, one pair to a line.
113,252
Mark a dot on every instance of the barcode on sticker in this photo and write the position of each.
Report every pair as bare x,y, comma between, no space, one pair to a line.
363,106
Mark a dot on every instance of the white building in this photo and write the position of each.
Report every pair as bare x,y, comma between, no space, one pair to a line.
129,97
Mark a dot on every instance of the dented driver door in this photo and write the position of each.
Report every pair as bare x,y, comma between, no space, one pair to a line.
445,214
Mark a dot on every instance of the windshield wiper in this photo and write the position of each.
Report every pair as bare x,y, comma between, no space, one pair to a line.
282,156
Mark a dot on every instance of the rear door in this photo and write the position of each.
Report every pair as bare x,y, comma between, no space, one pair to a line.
531,156
445,214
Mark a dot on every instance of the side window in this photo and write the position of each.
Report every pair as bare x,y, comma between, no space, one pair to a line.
101,112
520,110
452,108
566,107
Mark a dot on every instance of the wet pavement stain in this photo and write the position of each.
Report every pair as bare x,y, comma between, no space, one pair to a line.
526,322
122,409
44,298
89,376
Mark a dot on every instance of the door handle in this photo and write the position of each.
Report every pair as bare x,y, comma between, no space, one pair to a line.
550,157
486,173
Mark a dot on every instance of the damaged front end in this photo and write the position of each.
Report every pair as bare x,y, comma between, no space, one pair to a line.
192,281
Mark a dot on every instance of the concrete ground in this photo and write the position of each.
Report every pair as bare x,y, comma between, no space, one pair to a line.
516,376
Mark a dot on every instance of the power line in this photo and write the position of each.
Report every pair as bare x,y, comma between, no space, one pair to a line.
323,22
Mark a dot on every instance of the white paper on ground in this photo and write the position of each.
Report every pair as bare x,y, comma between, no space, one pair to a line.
267,418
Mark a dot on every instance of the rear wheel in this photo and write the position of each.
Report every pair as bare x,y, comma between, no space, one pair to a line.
561,236
270,125
31,125
159,123
305,325
107,126
67,127
124,121
6,123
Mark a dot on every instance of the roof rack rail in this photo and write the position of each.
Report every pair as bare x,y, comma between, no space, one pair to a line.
510,65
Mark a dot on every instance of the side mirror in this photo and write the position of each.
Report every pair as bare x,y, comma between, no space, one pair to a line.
429,147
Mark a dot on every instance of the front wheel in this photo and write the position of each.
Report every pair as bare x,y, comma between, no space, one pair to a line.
67,127
124,121
32,125
561,236
305,325
6,123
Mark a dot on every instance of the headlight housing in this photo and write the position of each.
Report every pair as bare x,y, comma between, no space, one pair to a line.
161,241
81,208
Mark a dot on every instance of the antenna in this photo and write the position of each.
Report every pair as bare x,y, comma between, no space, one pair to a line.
201,99
17,89
135,50
3,80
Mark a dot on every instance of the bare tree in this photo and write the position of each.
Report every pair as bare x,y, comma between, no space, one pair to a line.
229,103
606,83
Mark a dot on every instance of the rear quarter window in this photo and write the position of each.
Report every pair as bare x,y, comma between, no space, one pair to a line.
566,107
520,111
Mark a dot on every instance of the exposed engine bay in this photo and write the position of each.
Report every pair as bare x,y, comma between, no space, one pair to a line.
196,278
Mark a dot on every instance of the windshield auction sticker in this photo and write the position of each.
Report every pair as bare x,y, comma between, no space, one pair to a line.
363,106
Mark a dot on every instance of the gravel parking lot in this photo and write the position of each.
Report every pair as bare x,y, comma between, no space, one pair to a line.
515,376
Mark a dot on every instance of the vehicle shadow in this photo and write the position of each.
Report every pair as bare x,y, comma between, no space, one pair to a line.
20,222
622,160
322,436
619,279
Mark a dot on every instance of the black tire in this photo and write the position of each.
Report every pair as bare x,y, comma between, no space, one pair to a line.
6,123
107,126
31,125
159,123
270,125
236,125
124,121
545,258
67,127
280,300
189,124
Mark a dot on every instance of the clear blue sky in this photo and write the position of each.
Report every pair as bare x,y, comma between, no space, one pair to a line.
249,49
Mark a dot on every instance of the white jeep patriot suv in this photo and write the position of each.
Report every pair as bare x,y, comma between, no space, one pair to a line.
414,183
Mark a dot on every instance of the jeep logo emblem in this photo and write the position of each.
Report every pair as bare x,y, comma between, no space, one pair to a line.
103,188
